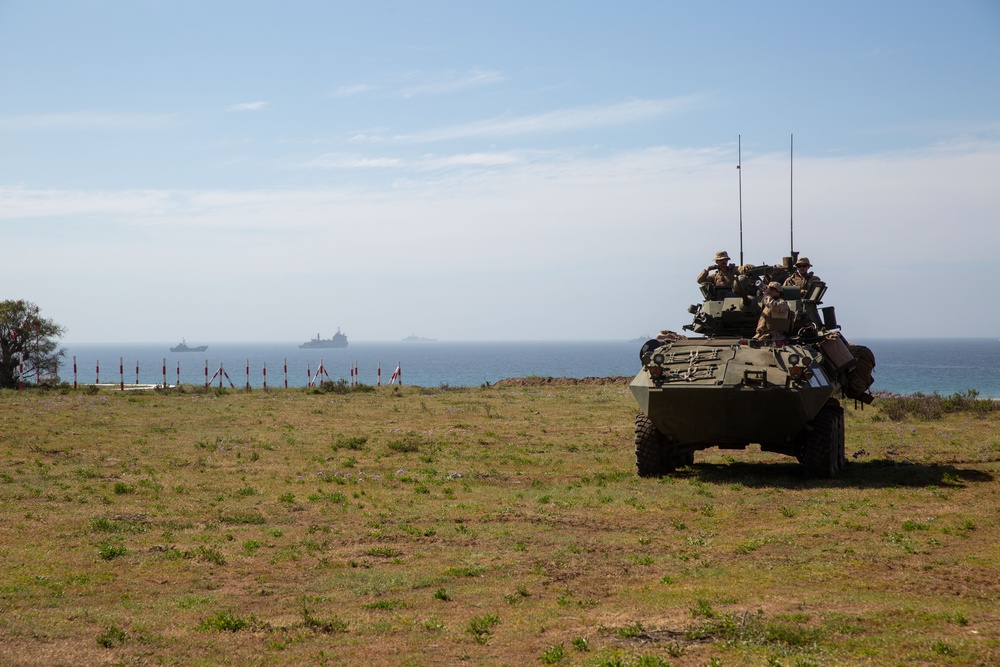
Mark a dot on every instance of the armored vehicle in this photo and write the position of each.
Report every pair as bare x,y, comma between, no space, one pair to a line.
725,389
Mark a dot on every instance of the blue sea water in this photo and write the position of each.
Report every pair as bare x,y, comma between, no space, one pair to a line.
936,365
903,366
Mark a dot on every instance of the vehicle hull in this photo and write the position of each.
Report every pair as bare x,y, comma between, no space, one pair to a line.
721,393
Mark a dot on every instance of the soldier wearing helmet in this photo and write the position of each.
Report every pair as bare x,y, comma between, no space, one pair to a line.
802,277
774,322
720,274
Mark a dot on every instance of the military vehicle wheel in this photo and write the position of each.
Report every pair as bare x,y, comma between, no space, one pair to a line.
842,455
653,457
821,445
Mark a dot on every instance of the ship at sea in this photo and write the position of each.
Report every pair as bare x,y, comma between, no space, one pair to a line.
414,338
184,347
338,340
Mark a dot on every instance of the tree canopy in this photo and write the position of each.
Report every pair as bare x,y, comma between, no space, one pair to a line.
29,350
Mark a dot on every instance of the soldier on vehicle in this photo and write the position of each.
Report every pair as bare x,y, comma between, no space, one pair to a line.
724,273
774,322
802,277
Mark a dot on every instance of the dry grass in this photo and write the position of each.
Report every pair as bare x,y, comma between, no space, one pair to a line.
479,526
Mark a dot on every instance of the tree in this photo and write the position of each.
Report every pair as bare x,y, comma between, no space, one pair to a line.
28,344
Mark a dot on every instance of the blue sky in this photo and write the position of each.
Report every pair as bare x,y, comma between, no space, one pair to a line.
257,171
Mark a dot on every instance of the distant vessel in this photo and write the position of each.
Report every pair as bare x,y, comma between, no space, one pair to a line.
184,347
414,338
338,340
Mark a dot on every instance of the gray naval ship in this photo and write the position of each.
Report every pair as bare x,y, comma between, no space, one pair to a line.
338,340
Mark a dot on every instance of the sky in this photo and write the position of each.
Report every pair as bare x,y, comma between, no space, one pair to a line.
561,170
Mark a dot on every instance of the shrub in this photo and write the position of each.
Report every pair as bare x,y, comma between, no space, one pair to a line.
356,443
553,655
227,621
328,626
934,406
411,443
111,550
113,635
481,627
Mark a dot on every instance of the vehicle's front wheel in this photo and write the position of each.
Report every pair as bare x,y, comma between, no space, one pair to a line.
653,457
821,447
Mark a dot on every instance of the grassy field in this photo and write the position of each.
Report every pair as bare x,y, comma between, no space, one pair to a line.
482,526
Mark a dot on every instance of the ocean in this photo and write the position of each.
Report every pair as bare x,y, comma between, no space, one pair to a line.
904,366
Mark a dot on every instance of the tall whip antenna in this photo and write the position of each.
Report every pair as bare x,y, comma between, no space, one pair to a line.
791,194
739,154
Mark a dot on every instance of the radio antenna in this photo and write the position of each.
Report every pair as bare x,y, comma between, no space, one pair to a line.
791,194
739,154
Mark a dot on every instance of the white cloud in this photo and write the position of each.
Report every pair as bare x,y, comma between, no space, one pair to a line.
561,120
588,224
248,106
352,162
352,91
451,82
362,138
470,160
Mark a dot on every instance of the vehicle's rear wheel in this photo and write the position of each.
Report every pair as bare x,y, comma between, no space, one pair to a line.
821,445
653,455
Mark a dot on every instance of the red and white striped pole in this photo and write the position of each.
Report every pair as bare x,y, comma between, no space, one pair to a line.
164,372
137,371
309,380
121,373
379,374
248,375
20,372
97,372
264,369
74,372
178,375
286,372
206,374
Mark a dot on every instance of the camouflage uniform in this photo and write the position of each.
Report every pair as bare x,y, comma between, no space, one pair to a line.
799,280
724,274
775,316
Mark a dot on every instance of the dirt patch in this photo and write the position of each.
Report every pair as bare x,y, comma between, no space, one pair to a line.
538,381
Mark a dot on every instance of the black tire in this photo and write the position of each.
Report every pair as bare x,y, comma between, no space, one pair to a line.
842,454
821,444
653,457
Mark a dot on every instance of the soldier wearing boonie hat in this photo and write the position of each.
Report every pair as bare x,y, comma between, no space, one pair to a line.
802,277
724,272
